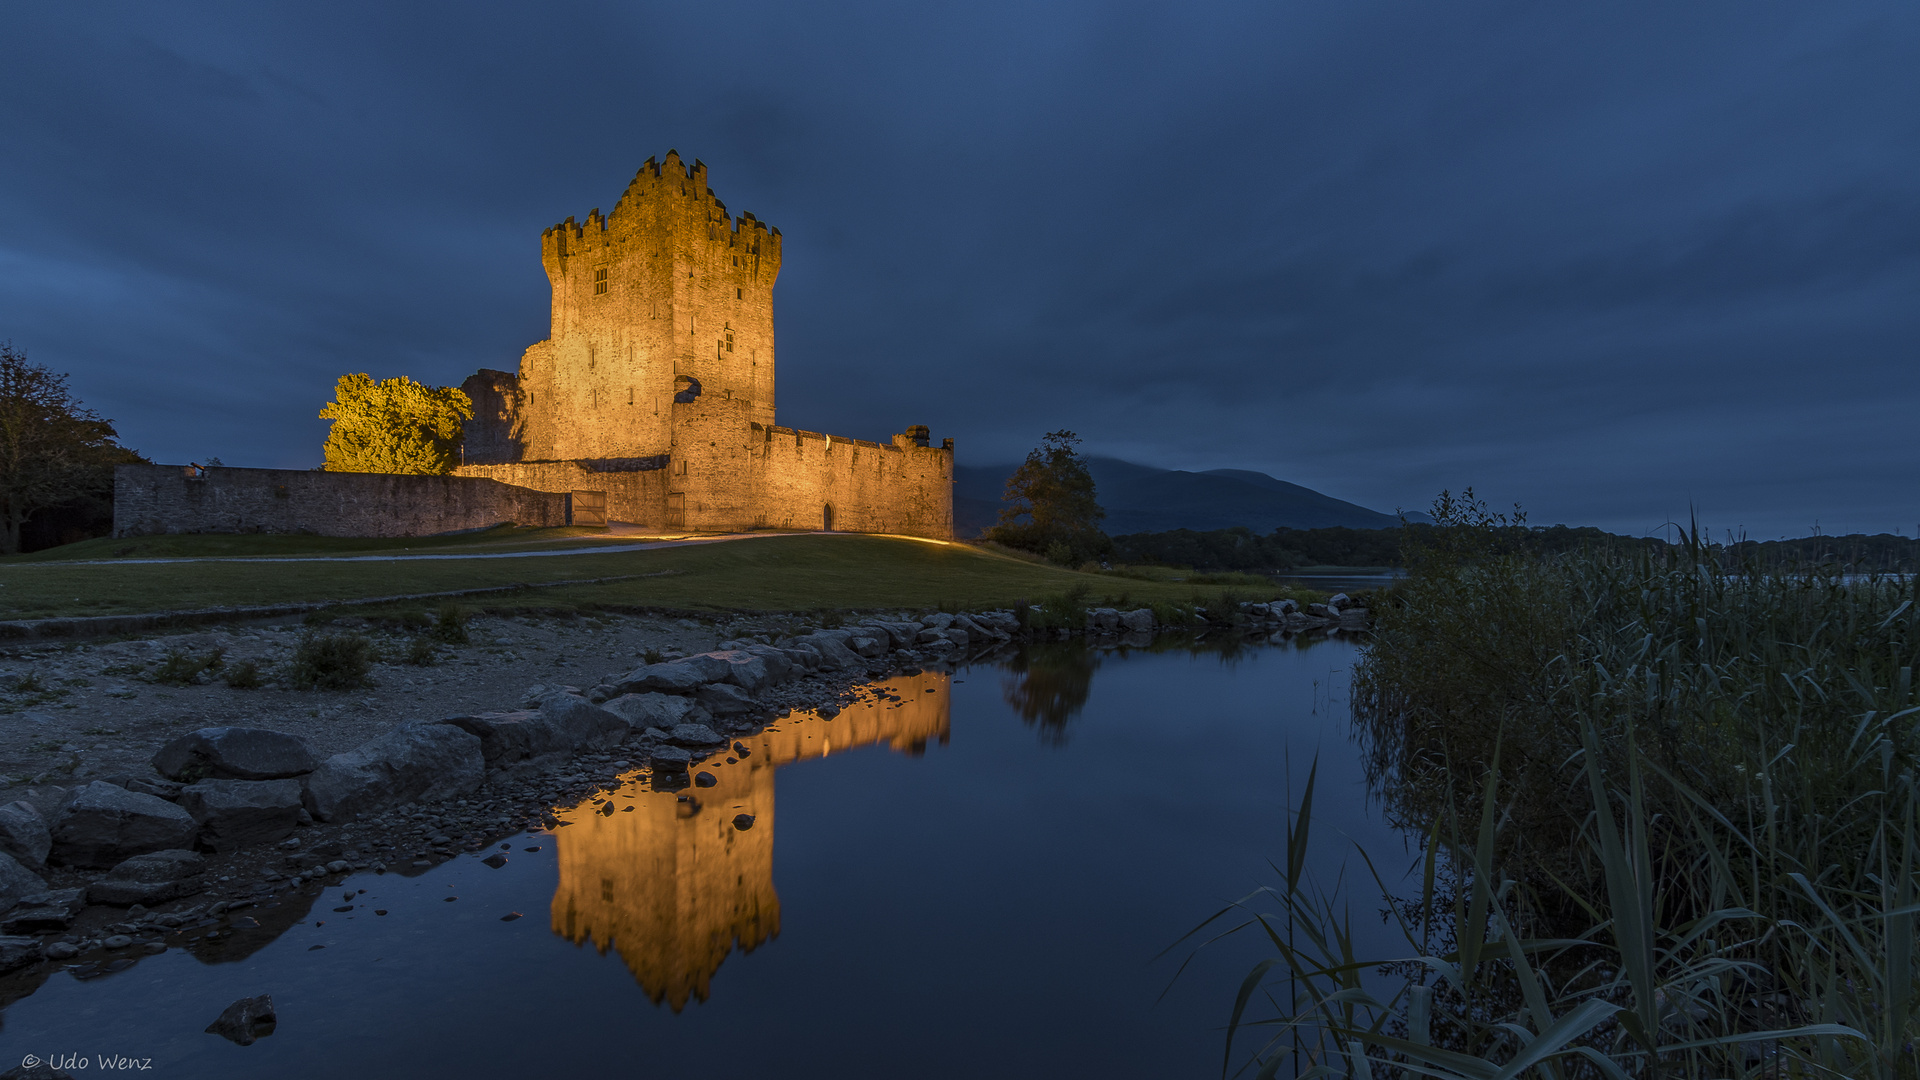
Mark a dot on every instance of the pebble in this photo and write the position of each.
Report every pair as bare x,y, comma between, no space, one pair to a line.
449,899
117,941
61,950
705,779
339,866
154,948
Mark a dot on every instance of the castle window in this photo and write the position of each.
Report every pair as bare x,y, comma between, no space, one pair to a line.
591,357
599,282
729,339
739,294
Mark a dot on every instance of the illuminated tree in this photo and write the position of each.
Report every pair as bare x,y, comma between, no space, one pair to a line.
1052,510
52,452
394,426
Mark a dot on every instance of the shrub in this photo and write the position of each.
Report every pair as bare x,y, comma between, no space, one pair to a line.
331,662
451,626
181,668
421,652
244,675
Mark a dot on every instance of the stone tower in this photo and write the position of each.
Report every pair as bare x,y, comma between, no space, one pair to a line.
667,298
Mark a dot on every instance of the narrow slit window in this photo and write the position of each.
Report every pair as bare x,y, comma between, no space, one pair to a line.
599,282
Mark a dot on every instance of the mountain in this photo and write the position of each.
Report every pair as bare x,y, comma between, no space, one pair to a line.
1140,498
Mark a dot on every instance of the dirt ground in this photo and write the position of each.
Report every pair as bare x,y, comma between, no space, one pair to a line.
74,712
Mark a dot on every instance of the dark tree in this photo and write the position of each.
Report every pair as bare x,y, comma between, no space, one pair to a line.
53,453
1052,510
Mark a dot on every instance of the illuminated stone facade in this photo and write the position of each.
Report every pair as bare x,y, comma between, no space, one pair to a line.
674,886
656,384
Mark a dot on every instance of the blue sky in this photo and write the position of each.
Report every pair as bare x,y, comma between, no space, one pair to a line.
1613,262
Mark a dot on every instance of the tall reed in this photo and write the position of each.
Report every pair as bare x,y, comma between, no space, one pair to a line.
1672,828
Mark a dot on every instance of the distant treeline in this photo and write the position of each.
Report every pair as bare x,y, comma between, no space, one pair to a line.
1288,549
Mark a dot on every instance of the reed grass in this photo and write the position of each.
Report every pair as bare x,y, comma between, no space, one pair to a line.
1671,822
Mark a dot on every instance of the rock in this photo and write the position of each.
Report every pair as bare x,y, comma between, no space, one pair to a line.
1320,611
930,636
670,759
900,635
117,941
672,677
495,860
1137,620
421,761
743,822
957,636
1283,607
580,725
234,753
61,950
245,1020
694,735
804,657
939,620
1103,620
831,645
104,824
704,778
18,952
869,644
24,834
1337,601
339,866
147,785
16,881
725,699
154,878
50,910
238,813
647,710
780,666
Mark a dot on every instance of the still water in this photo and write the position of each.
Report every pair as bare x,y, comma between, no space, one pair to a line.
965,875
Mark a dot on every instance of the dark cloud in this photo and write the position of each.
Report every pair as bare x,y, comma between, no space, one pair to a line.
1612,262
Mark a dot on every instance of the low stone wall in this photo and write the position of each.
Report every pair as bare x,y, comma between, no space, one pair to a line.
636,488
150,499
802,476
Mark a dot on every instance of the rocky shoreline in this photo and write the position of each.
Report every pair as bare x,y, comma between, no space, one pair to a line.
235,832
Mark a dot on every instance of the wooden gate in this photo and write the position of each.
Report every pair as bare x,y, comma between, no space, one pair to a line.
589,508
676,510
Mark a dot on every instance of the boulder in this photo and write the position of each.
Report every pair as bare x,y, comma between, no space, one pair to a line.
156,877
24,834
238,813
1320,611
17,882
643,711
103,824
1137,620
694,735
1338,601
804,657
234,753
580,725
669,759
421,761
744,669
900,635
673,677
1283,607
871,644
780,666
939,620
725,699
1103,620
18,952
50,910
832,647
245,1020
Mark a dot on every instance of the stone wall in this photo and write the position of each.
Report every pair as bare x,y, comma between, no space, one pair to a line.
905,488
636,488
150,499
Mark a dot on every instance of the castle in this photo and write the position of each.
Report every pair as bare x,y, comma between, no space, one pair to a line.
652,399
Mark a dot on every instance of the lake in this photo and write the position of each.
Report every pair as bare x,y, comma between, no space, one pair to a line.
963,875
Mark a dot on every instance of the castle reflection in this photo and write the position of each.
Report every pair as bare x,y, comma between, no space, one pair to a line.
668,880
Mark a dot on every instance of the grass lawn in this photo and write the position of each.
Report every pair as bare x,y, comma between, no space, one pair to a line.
777,573
216,545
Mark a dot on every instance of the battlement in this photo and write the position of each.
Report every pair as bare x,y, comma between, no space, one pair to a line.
663,190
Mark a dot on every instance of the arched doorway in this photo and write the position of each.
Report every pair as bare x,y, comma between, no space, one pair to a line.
826,517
